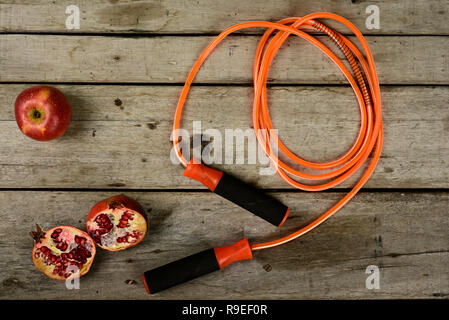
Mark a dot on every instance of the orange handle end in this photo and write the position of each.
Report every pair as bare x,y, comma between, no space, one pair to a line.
145,284
240,250
202,173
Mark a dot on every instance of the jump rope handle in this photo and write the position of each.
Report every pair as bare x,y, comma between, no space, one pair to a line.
240,193
194,266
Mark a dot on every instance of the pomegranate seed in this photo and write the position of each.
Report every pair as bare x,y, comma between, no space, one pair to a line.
103,222
123,224
56,233
59,246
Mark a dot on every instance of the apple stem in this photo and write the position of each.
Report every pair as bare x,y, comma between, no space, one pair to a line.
36,114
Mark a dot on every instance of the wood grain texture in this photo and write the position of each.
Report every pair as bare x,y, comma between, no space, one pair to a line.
204,16
119,135
405,235
49,58
119,139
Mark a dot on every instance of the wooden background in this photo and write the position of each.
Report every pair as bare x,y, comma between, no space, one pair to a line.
122,72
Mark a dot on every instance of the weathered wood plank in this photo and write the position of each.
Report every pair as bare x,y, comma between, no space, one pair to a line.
44,58
405,235
179,16
125,143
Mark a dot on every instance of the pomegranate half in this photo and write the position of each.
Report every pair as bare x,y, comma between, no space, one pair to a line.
62,251
117,223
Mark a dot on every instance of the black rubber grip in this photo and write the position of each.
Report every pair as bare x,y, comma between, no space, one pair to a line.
251,199
181,271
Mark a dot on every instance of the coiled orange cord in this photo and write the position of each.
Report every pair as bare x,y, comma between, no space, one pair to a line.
366,89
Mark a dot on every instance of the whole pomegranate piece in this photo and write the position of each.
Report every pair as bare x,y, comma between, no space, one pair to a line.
42,112
117,223
62,251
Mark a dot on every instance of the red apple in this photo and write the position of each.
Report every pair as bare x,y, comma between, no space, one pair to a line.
42,113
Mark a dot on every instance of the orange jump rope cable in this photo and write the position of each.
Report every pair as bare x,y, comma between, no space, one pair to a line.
366,89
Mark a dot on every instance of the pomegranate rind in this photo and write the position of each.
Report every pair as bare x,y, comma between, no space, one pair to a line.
69,234
114,207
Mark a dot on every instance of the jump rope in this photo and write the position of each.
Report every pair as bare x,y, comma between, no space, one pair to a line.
364,82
